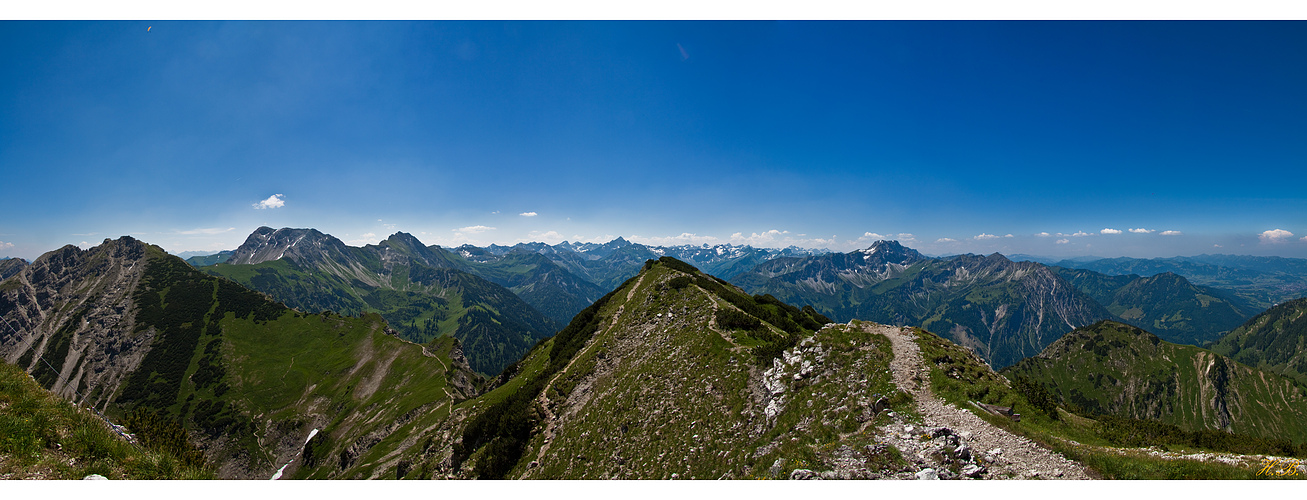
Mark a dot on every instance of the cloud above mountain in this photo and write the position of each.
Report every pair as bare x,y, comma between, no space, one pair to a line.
274,201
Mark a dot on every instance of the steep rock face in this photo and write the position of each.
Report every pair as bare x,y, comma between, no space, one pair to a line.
127,328
422,292
1004,310
1121,370
1166,304
68,315
1275,341
10,267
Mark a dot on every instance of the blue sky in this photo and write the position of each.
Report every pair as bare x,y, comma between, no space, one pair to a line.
949,136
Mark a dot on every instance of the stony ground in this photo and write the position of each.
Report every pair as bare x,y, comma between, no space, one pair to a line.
952,442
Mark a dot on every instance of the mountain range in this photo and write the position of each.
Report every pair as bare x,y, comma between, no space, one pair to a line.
673,373
141,336
1004,310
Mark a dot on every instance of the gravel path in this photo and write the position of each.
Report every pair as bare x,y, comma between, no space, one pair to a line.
1005,455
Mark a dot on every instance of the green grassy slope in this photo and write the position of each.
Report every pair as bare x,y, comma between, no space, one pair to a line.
1166,304
1112,447
250,378
422,304
1116,369
1275,340
45,437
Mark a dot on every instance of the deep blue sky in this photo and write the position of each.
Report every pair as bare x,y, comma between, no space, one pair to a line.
807,133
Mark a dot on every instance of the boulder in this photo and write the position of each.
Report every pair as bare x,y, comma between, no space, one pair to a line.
803,474
927,475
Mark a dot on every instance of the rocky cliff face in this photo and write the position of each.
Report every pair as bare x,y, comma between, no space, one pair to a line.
10,267
70,318
130,329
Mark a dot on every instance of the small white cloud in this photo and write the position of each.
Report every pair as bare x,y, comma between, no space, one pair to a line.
945,240
210,230
1043,234
528,214
1304,239
1216,246
1171,233
874,236
1063,241
475,229
1110,231
5,245
1081,233
907,237
496,212
1008,235
983,236
1141,230
1275,236
274,201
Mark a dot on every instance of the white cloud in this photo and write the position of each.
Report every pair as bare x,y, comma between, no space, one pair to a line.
210,230
475,229
983,236
1043,234
1171,233
1063,241
1304,239
274,201
1216,246
496,212
1008,235
945,240
1081,233
5,246
528,214
1141,230
1110,231
907,237
1275,236
874,236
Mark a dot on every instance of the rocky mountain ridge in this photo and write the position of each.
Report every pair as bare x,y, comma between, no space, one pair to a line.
139,335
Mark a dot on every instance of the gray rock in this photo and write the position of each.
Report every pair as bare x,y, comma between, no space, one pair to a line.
775,469
927,475
973,471
803,474
95,477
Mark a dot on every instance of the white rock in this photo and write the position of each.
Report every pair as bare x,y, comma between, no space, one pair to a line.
927,475
95,477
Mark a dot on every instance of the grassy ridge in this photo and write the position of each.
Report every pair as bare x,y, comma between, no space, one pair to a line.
958,376
43,436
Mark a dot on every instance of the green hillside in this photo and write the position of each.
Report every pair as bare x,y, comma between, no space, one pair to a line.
1115,369
1165,304
1275,341
423,295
